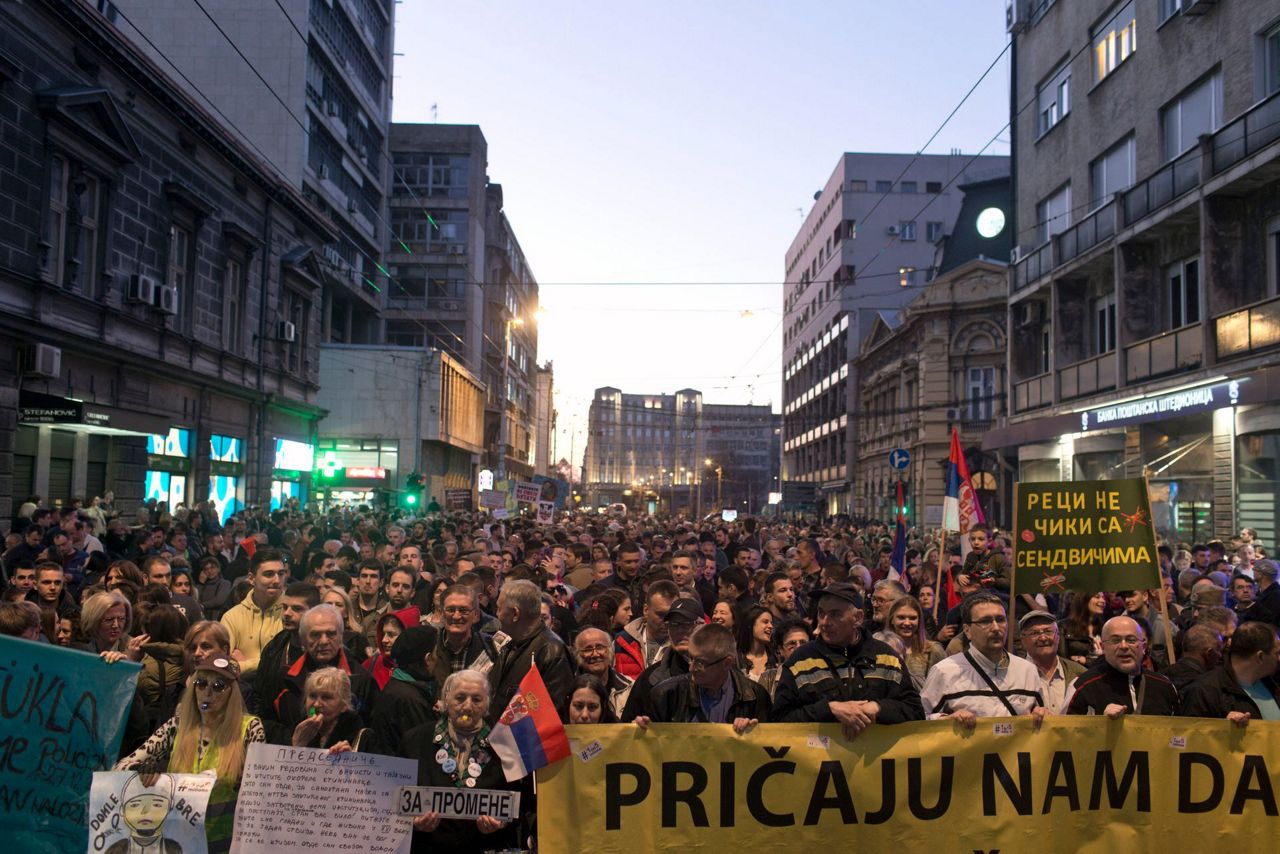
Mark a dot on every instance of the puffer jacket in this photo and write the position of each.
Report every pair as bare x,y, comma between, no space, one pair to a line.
161,670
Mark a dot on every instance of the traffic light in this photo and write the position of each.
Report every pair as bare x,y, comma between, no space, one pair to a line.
413,485
410,499
906,500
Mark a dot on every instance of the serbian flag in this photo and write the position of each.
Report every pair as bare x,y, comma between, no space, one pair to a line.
898,560
529,733
960,508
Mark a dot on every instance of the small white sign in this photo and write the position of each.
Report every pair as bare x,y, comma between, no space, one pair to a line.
451,802
821,742
1002,728
590,751
1178,742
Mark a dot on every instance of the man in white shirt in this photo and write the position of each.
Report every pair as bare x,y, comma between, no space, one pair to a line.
984,681
1039,633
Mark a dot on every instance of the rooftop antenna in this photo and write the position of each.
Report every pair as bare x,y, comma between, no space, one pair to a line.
435,112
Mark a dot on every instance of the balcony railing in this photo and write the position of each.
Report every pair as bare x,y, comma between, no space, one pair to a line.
1087,233
1088,377
1033,393
1180,176
1254,130
1248,330
1167,353
1037,263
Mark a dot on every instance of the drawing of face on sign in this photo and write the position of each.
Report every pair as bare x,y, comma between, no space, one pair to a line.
145,808
143,813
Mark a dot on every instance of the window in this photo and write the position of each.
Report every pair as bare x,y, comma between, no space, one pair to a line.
933,231
1169,8
179,260
296,310
908,187
907,230
1046,349
1053,99
56,229
1271,61
1183,280
980,389
906,276
1104,324
86,200
884,186
857,186
1112,172
1273,257
233,316
933,186
1053,215
438,175
1198,110
1115,40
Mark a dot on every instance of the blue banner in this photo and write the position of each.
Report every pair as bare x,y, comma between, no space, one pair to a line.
552,489
61,718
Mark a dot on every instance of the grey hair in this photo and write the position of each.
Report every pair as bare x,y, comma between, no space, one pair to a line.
330,677
524,595
304,625
461,676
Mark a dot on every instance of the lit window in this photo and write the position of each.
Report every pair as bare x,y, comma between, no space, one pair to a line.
906,276
1053,99
1115,41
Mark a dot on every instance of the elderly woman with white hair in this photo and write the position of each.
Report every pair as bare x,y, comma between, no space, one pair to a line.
105,620
455,753
331,719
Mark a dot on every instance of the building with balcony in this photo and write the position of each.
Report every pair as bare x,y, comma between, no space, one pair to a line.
160,284
393,411
865,247
461,281
1144,307
936,364
311,97
671,453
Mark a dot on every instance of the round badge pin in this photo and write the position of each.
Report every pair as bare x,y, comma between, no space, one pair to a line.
442,755
471,782
473,769
449,766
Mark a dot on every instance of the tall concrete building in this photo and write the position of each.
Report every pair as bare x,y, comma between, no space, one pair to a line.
159,284
671,453
311,96
1144,309
866,246
461,281
544,429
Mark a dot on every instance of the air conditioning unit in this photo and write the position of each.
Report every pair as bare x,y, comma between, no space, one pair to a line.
286,332
1030,313
323,172
44,360
953,414
450,305
891,230
141,289
1016,14
457,249
167,300
1015,255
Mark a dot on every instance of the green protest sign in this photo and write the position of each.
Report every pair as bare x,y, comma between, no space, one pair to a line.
1085,535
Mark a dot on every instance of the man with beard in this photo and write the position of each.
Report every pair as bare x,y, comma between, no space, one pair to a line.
400,587
1117,685
1039,633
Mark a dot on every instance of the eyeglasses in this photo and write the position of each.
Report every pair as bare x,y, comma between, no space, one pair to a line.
1129,641
595,649
696,664
1047,631
113,621
218,685
457,611
988,622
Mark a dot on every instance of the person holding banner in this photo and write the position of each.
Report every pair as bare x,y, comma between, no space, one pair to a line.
455,752
984,681
209,732
714,690
845,675
1244,687
1117,685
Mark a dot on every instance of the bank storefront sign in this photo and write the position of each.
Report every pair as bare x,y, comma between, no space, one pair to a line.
1187,401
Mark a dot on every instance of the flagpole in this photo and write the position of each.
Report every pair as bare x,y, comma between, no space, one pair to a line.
937,587
1164,604
1013,570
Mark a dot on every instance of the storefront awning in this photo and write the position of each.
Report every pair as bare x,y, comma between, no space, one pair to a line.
80,416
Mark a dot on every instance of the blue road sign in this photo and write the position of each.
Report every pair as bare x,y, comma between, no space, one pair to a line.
899,458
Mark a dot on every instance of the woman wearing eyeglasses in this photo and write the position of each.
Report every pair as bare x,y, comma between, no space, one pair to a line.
209,732
105,621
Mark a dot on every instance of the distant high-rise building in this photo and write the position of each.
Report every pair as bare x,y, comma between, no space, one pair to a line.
866,246
461,283
311,96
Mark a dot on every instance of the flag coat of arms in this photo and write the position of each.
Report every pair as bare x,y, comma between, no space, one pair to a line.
529,734
960,508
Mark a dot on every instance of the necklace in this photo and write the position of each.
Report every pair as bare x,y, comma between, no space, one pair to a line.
465,765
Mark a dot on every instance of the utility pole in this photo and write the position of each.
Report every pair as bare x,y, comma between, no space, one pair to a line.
719,483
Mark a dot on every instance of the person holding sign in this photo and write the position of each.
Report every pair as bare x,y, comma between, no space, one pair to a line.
1118,685
209,732
455,752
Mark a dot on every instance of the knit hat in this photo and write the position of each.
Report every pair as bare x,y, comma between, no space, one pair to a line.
410,650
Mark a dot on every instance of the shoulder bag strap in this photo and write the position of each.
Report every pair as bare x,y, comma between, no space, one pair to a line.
990,683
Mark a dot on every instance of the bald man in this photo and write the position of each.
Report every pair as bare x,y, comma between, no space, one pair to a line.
1117,684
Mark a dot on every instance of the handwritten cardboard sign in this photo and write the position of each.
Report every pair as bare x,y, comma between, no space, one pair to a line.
126,814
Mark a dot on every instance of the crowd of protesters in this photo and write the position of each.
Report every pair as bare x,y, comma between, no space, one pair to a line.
361,630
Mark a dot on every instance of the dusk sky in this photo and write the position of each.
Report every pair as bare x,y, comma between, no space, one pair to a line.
658,159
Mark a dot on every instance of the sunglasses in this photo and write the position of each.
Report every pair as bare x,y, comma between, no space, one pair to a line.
218,685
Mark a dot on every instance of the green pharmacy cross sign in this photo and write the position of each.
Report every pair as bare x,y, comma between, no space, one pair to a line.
329,466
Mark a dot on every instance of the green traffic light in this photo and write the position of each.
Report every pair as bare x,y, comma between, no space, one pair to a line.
411,499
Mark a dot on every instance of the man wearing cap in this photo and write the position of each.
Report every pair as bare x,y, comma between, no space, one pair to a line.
1039,633
714,690
845,675
1117,684
1266,605
684,615
144,809
984,681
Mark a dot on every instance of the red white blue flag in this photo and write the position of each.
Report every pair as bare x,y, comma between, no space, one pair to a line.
529,734
898,560
960,508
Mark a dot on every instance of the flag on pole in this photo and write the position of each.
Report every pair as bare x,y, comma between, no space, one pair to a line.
898,560
960,508
529,734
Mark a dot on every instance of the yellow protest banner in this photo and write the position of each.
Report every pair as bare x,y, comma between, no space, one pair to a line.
1075,785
